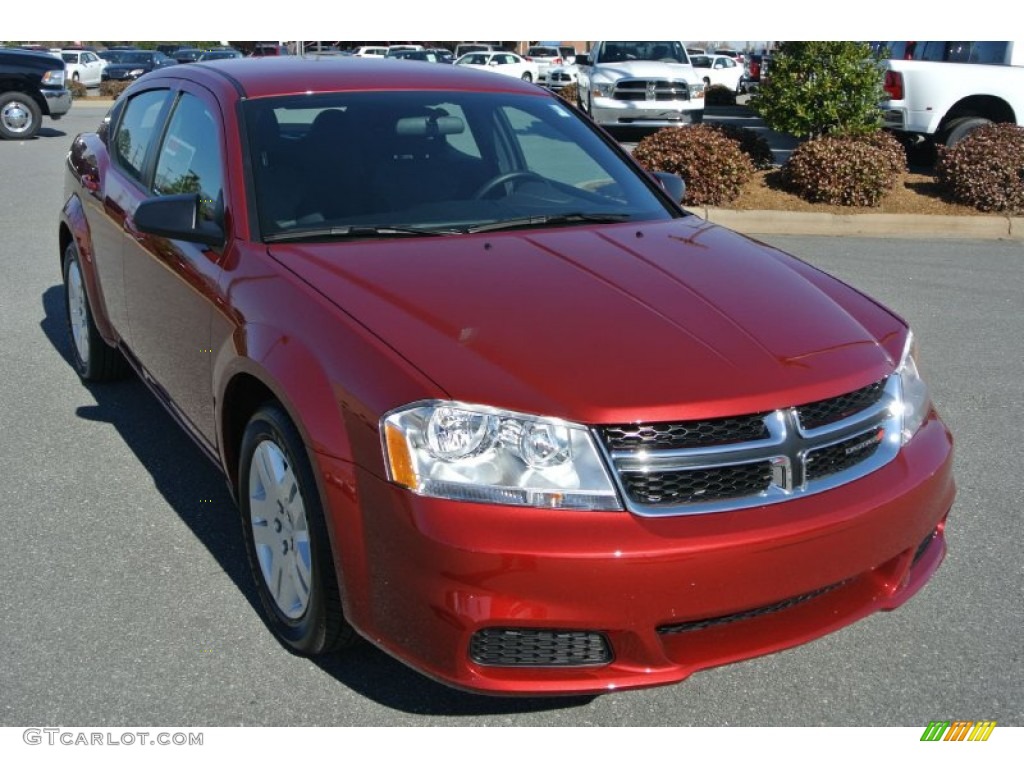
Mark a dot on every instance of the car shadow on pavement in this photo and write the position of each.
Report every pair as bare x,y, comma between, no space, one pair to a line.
184,477
49,133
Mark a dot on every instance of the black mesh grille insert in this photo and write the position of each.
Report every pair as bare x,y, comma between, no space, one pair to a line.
836,458
689,486
691,626
822,412
685,434
539,648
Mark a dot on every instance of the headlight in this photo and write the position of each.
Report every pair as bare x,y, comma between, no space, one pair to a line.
914,392
54,78
697,90
475,453
136,72
604,89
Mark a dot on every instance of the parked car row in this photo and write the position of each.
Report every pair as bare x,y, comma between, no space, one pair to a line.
91,68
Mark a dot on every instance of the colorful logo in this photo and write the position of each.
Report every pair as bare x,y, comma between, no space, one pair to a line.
958,730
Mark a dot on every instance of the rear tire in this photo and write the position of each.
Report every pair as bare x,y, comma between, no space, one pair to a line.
527,77
93,358
960,129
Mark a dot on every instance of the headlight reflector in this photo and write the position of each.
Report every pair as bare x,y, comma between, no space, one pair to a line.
604,89
914,392
54,78
476,453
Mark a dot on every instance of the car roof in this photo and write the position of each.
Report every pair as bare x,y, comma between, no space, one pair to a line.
256,78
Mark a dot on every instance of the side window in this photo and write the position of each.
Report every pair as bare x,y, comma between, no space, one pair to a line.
190,157
543,146
137,131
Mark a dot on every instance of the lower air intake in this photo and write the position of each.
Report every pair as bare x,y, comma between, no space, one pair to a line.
539,648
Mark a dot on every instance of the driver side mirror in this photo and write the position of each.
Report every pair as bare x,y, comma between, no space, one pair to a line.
673,185
178,218
583,59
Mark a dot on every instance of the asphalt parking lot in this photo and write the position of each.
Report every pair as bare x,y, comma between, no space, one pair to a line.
128,601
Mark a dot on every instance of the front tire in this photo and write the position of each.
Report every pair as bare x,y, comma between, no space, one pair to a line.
20,116
93,358
286,537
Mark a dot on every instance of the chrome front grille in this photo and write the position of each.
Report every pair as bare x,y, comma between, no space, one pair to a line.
686,434
689,486
651,90
824,412
696,467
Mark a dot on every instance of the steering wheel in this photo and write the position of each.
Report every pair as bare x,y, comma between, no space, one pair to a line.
502,178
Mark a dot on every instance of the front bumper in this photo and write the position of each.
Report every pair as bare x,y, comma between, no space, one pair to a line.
421,577
642,114
58,102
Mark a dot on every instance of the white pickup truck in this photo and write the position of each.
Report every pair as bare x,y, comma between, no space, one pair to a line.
941,91
640,84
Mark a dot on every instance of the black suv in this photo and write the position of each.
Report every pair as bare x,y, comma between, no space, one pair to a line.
31,85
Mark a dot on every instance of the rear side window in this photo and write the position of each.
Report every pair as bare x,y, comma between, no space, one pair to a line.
190,157
138,130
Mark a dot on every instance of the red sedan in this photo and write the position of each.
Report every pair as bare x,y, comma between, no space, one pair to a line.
484,393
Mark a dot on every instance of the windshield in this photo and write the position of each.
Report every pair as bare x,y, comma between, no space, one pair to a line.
448,162
647,51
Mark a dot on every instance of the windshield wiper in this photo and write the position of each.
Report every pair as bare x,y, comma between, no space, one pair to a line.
355,231
554,220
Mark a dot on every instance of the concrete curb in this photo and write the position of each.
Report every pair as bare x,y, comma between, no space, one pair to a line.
866,224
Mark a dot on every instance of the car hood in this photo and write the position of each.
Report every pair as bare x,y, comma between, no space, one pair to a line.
642,69
644,321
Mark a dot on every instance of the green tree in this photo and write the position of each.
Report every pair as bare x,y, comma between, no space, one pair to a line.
821,87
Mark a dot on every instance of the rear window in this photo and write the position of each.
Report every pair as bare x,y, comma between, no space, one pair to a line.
960,51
